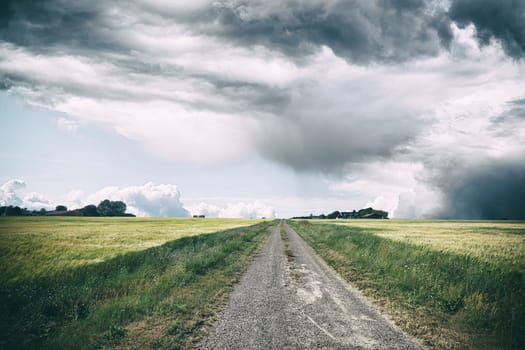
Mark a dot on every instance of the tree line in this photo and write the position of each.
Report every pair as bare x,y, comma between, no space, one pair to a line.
104,208
367,213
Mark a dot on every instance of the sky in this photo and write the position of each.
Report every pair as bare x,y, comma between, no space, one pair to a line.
265,108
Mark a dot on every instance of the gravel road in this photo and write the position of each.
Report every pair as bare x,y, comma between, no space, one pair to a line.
290,299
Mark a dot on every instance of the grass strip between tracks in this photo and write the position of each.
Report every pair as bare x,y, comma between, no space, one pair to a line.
447,299
155,298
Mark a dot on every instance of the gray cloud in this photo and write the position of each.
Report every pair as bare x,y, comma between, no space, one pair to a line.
490,189
511,121
360,31
318,142
51,24
5,83
123,58
502,20
516,111
379,30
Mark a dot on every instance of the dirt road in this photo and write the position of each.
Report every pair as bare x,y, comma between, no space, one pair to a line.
290,299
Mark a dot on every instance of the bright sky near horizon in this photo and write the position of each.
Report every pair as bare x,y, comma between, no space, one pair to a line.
265,108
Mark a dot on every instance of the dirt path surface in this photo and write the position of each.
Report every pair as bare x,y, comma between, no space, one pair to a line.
290,299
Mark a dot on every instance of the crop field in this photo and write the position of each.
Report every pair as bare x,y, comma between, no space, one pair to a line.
454,284
491,241
43,246
116,282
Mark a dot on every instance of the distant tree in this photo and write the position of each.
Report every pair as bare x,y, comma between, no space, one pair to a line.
10,211
43,211
333,215
119,208
366,211
104,208
110,208
15,211
89,210
370,212
61,208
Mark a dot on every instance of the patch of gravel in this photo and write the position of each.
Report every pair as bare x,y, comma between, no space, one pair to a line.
295,301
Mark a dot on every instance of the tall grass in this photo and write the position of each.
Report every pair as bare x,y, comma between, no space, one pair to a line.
501,241
483,300
42,246
157,297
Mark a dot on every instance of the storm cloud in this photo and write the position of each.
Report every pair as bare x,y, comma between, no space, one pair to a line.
494,19
493,189
52,24
319,87
361,31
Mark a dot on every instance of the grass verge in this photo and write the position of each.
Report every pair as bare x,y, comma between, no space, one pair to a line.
164,292
447,299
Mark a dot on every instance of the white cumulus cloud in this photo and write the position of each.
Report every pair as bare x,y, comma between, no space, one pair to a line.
146,200
255,209
8,192
10,195
35,201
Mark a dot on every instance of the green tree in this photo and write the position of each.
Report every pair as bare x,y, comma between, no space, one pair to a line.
61,208
119,208
110,208
333,215
89,210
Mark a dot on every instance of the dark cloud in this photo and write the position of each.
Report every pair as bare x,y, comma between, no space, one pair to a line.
485,190
327,141
250,96
52,25
515,111
503,20
510,121
517,108
360,31
5,83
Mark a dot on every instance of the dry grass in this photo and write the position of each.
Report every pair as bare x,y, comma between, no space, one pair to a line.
40,246
502,241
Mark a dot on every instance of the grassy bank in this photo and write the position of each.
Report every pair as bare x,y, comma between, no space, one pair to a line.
153,297
469,295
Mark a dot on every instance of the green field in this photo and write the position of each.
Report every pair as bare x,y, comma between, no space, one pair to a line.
454,284
109,282
501,241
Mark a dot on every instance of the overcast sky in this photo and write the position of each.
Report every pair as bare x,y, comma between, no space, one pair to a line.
265,108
